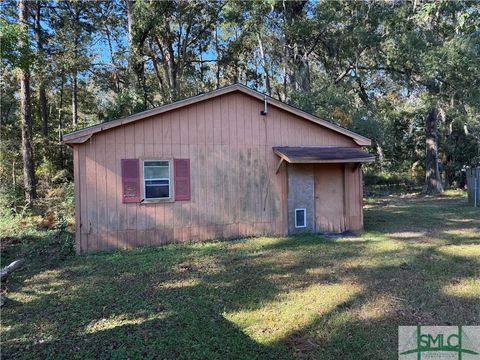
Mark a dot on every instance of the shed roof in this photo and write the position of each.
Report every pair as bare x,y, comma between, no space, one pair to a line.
82,135
317,154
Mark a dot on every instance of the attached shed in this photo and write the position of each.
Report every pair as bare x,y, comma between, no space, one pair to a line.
224,164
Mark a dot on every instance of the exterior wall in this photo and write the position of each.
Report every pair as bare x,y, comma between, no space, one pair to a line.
235,191
353,197
301,195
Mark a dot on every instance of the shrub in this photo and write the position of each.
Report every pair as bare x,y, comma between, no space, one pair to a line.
60,203
64,237
386,178
385,183
12,199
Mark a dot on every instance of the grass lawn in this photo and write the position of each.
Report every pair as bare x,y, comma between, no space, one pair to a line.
417,262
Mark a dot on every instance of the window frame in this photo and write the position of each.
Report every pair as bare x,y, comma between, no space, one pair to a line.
170,182
304,218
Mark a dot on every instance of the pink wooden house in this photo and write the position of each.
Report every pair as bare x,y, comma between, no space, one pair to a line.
225,164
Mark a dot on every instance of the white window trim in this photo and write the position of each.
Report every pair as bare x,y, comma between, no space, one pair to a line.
304,217
170,182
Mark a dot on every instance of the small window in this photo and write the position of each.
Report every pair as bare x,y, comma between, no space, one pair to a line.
300,218
156,178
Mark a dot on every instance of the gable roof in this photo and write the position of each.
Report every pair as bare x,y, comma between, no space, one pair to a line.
82,135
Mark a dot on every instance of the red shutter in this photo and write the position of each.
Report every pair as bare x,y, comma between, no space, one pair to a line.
182,179
131,180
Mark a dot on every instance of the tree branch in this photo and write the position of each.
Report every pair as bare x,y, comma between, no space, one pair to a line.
343,74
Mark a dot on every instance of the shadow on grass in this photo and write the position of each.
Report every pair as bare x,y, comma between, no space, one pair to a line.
409,294
237,299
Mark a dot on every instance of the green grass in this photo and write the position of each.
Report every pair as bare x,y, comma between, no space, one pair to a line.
417,262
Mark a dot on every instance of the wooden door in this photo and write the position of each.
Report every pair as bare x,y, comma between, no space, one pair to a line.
329,198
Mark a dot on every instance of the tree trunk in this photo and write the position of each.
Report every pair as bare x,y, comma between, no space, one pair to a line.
26,115
60,109
136,64
60,118
362,92
155,66
116,77
298,78
201,68
302,69
131,44
42,96
172,73
14,173
217,50
74,99
433,182
131,22
381,156
285,97
297,60
76,41
264,65
7,270
172,66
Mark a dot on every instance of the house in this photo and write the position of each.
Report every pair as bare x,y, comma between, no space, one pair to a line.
224,164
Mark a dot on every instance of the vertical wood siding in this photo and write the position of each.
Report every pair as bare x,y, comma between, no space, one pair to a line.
234,188
338,197
330,198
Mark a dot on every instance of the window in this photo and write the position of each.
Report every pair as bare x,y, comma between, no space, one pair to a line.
300,218
156,178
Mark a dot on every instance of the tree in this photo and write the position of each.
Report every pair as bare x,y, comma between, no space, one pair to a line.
73,29
175,34
433,182
405,75
26,106
42,96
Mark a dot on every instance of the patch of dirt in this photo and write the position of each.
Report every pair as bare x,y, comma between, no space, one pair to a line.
335,236
300,345
454,281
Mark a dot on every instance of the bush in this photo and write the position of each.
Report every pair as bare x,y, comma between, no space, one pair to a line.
386,178
64,237
385,183
58,204
12,200
22,237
